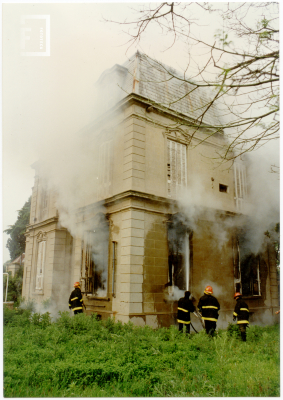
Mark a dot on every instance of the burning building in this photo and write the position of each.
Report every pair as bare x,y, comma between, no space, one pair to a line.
154,217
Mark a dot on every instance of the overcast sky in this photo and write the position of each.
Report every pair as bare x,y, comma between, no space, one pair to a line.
44,97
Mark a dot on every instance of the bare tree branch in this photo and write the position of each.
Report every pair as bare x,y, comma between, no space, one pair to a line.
243,58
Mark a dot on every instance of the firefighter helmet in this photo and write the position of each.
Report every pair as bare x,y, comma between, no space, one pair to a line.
237,294
208,290
77,284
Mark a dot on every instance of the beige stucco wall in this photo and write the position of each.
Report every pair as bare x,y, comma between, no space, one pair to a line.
57,263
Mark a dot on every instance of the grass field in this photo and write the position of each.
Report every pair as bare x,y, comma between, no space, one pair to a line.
83,357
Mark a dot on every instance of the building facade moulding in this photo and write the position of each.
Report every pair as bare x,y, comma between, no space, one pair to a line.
41,236
177,134
42,223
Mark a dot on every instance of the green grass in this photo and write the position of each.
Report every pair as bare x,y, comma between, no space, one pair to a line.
83,357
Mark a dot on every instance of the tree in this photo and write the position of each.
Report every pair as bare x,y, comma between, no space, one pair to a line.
17,241
239,66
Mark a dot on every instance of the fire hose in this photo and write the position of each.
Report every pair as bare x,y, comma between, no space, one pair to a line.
198,315
194,328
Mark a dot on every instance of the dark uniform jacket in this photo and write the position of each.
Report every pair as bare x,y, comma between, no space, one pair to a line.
241,312
76,300
185,307
208,306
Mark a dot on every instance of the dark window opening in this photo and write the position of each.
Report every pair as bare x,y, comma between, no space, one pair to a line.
250,275
238,287
94,268
250,270
180,252
223,188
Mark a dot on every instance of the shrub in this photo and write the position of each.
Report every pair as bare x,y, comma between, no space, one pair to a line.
41,320
16,316
83,357
233,330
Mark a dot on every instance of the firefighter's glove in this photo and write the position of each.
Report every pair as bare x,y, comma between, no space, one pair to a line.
234,318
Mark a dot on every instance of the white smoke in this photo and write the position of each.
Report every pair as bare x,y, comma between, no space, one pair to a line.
41,308
218,290
175,294
261,211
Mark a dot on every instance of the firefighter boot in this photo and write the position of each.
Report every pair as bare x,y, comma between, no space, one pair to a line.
211,332
242,328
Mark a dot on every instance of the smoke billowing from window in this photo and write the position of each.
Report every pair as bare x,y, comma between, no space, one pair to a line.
71,169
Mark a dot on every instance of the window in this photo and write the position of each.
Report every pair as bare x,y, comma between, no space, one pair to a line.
248,268
223,188
43,204
94,267
176,168
237,264
40,265
240,180
105,170
250,276
180,253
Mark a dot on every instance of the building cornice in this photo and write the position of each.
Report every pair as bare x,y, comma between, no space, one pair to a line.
170,203
41,224
202,136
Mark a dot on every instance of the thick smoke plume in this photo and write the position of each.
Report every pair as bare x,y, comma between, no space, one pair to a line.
70,169
261,207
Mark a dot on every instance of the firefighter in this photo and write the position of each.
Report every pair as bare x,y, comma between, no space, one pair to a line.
208,306
185,307
76,299
241,312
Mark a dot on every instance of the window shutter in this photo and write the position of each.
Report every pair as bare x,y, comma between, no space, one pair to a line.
240,184
40,265
176,168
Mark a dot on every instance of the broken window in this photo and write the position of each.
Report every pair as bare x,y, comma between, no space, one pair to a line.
247,268
180,252
250,275
40,265
176,168
94,267
237,265
240,179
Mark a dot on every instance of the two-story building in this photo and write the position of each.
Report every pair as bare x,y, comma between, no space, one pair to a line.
162,218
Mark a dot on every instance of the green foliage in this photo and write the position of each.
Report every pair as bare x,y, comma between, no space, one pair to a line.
222,37
17,241
16,317
41,320
15,284
233,331
81,356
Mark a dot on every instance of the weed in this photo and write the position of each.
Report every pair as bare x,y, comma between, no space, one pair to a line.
81,356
